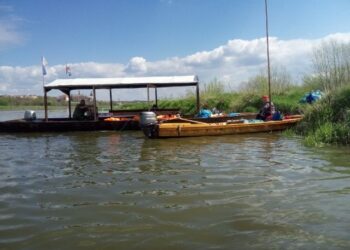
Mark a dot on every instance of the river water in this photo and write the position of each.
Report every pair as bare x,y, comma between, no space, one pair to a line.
119,190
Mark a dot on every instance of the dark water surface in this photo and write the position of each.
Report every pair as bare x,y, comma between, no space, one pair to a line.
118,190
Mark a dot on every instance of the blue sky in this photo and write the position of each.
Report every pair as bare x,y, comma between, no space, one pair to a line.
156,37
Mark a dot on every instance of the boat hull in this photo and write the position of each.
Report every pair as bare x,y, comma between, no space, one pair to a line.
56,125
166,130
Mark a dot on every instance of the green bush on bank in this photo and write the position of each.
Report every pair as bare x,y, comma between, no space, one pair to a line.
328,121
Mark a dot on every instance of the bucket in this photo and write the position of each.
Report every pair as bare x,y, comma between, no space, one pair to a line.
29,115
148,118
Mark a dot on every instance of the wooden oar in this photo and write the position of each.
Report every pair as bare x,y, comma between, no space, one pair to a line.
187,120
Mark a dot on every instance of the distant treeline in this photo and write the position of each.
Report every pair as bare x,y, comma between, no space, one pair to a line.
12,101
37,102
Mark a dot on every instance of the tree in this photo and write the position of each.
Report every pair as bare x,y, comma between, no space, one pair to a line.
331,63
281,81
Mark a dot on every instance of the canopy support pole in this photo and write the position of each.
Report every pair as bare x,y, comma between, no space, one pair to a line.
148,97
69,105
156,95
45,104
197,96
95,109
110,99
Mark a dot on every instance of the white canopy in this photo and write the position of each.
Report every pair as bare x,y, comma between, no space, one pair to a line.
124,82
66,85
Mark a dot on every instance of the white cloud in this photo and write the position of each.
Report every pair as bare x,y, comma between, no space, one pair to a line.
137,65
233,63
93,69
9,34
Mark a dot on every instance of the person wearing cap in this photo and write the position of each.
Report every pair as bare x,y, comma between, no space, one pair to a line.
267,110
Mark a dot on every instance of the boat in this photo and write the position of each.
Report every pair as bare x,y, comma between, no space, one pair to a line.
65,125
113,120
190,128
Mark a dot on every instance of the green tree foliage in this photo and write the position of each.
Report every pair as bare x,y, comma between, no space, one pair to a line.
328,121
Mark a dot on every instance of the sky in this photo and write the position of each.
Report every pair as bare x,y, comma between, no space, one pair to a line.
214,39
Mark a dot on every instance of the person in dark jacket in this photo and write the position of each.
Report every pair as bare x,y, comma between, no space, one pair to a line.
267,110
80,110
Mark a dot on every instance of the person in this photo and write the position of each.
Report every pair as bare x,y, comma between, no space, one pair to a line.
267,110
154,107
80,110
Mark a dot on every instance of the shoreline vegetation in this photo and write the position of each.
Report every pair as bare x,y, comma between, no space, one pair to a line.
326,121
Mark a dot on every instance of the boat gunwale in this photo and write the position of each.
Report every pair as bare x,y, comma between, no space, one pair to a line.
223,124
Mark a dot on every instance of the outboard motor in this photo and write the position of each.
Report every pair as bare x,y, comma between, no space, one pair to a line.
148,123
148,118
29,115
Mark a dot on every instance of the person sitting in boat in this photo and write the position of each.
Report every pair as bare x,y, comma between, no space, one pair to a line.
205,112
154,107
267,110
80,110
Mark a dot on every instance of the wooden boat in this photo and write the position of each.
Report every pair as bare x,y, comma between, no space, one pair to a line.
116,119
187,129
65,125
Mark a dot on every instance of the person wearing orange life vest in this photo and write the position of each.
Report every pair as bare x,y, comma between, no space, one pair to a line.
268,109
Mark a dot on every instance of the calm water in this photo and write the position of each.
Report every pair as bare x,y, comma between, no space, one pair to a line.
118,190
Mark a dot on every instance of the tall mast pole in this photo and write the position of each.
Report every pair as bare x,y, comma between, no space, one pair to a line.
268,51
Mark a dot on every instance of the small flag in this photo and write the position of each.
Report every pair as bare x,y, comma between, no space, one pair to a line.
44,64
68,71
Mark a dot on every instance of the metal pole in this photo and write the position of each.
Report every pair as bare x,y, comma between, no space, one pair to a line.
45,104
268,51
95,109
69,106
156,95
110,99
148,97
197,93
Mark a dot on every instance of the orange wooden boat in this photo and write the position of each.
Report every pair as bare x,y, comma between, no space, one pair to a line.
187,129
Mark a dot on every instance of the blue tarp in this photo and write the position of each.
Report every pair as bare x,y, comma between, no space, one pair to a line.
204,113
311,97
233,114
